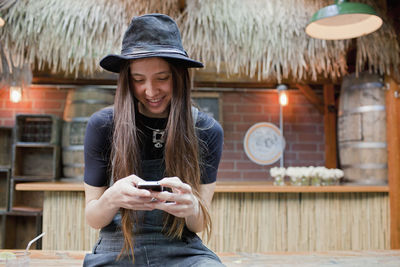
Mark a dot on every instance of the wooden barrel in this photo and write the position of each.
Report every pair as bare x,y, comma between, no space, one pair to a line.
362,129
73,162
84,101
81,104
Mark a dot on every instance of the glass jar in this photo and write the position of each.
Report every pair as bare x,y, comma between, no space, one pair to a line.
315,181
279,180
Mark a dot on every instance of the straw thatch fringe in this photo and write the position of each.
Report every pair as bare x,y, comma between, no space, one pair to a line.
379,51
257,38
4,4
266,39
169,7
12,75
69,36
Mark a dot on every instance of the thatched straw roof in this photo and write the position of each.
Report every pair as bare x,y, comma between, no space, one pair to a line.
258,38
267,39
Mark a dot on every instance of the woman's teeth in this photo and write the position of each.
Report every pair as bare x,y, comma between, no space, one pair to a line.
154,100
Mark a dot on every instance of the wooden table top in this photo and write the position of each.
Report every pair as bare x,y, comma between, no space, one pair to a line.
381,258
45,258
222,187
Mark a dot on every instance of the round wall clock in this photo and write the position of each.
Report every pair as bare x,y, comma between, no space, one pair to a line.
264,143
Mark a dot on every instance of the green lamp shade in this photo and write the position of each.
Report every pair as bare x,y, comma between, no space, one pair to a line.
343,21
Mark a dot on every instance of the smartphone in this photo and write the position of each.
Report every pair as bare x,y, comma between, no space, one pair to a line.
150,185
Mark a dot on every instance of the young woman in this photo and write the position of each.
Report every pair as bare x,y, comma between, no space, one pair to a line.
152,133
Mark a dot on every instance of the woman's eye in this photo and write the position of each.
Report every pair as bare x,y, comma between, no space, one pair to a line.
137,80
163,78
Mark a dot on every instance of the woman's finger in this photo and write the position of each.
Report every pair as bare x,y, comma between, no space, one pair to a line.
127,186
173,197
141,206
176,183
175,209
138,203
133,192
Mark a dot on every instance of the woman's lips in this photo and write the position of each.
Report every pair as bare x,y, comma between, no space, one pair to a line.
155,101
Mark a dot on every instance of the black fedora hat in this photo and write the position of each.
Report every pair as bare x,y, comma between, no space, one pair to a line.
151,35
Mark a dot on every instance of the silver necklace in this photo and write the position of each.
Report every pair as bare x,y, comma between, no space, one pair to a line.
158,137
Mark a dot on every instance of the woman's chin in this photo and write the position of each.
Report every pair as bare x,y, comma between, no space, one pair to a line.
156,112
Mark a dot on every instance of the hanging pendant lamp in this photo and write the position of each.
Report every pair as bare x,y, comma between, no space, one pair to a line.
343,20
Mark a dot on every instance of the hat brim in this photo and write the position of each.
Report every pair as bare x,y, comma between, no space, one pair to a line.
113,63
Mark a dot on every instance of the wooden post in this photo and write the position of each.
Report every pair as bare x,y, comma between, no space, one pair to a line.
330,126
393,143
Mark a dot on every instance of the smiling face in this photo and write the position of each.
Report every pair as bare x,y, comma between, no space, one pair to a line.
152,86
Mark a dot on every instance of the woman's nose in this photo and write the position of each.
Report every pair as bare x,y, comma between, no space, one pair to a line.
151,90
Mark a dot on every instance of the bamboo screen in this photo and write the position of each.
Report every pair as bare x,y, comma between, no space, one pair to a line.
252,222
64,222
260,222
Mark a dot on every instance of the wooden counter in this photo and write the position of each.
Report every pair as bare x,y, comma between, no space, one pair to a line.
222,187
248,217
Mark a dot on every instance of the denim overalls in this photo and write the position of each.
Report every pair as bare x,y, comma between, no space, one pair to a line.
152,248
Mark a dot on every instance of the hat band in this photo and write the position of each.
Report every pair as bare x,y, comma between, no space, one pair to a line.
144,52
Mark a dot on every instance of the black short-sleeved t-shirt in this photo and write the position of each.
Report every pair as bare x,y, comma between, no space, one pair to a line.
98,139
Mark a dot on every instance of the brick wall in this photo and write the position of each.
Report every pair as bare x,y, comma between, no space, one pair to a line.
303,126
35,100
303,132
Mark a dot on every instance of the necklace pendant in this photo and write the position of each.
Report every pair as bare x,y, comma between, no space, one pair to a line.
158,138
158,145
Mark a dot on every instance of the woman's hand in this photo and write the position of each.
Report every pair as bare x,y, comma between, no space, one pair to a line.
103,203
181,202
125,194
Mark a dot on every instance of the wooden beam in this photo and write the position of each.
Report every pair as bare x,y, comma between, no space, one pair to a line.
393,144
312,97
330,126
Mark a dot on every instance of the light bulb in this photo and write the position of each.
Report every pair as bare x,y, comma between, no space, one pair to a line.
283,98
15,94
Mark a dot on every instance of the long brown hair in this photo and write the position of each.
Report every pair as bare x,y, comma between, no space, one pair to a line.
181,155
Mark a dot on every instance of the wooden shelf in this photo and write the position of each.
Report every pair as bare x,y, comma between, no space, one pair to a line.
222,187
